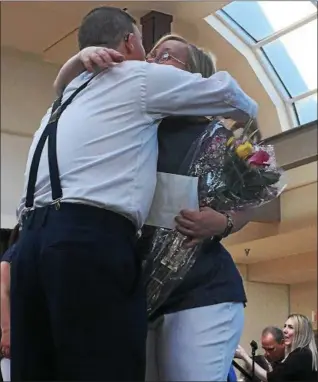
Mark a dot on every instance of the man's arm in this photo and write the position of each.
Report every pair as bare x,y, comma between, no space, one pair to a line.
170,91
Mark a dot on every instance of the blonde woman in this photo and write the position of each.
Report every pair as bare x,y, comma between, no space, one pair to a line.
195,333
300,362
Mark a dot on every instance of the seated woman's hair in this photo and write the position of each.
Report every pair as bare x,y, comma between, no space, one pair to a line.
304,336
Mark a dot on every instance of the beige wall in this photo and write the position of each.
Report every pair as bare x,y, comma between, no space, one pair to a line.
26,90
14,151
268,304
303,299
26,93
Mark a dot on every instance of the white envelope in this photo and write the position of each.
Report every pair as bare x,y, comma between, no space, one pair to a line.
173,193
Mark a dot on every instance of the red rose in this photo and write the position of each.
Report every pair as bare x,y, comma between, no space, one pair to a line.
259,158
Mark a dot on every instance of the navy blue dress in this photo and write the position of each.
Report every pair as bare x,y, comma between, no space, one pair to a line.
214,278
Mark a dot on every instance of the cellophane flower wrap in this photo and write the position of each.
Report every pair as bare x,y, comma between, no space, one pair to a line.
233,174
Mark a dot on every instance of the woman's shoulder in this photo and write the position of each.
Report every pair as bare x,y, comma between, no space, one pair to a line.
300,356
301,352
297,366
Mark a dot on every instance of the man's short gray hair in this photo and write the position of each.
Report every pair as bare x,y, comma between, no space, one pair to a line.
275,332
105,26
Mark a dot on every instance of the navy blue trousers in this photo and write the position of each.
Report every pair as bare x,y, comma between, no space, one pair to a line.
78,307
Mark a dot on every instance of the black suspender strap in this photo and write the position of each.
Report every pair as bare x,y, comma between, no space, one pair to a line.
49,133
29,201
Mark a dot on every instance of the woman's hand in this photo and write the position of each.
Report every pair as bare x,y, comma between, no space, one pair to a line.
5,343
241,353
199,225
91,59
99,57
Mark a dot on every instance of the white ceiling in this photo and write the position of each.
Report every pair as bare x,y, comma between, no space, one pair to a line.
49,27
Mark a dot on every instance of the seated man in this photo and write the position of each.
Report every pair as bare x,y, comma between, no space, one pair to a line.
273,345
274,350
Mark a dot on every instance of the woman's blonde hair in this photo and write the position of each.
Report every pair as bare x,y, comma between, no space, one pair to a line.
303,337
199,60
204,62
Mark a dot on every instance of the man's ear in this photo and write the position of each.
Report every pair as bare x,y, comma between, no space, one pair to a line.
129,43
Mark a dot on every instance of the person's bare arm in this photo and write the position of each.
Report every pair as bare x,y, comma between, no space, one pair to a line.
5,295
90,59
240,219
71,69
259,371
5,308
207,222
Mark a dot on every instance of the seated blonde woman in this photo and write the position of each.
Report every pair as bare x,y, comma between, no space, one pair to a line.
300,362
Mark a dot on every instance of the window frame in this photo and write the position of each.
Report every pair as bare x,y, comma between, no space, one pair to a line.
253,50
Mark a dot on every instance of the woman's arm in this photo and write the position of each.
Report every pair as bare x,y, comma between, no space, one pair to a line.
5,308
90,59
240,219
71,69
207,222
259,372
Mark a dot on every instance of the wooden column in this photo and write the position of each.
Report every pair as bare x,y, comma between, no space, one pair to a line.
154,26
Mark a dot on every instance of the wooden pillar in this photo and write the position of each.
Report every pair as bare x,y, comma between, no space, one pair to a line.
154,26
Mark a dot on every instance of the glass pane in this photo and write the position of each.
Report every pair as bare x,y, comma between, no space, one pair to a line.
263,18
294,56
307,109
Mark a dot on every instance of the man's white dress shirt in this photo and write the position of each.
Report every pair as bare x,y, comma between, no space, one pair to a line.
107,137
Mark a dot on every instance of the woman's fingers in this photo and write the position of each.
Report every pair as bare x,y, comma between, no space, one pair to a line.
5,351
114,56
185,223
184,231
102,58
88,64
189,243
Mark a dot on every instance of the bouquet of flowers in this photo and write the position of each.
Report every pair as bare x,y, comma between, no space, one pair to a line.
233,174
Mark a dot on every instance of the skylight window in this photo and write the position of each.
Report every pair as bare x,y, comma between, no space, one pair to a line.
283,35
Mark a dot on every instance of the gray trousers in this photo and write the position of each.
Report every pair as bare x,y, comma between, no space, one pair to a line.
195,344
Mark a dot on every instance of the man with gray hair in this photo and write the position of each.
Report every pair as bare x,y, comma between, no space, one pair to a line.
272,340
78,302
273,344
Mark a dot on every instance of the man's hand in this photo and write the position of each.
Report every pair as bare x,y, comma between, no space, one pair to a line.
102,58
5,343
199,225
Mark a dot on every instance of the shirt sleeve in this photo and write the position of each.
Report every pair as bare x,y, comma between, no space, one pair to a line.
171,91
296,365
9,253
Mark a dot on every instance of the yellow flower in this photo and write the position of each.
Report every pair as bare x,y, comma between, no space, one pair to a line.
230,141
244,150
